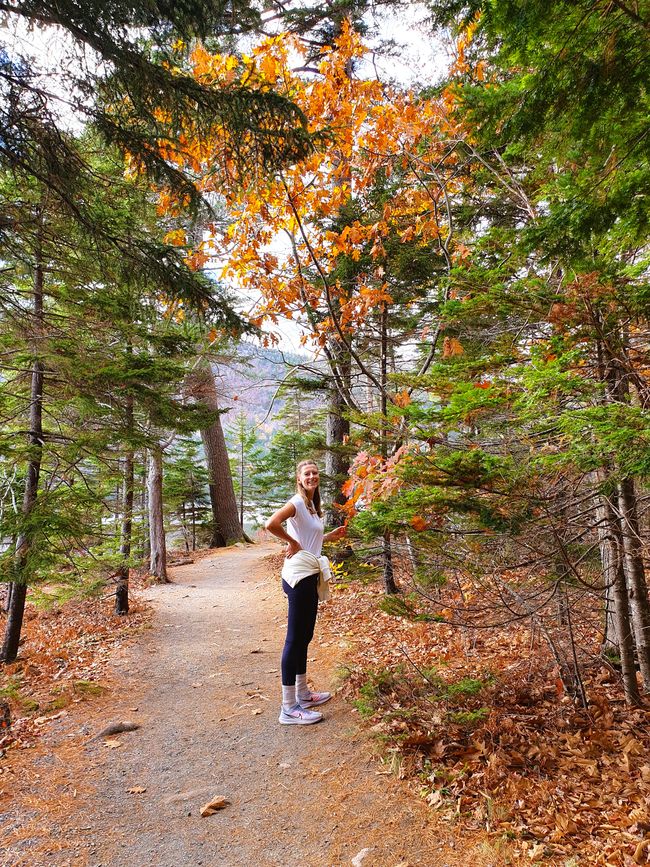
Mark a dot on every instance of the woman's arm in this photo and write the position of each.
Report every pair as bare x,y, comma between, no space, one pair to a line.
333,535
274,525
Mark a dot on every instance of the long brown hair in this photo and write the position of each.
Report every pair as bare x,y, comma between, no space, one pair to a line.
313,505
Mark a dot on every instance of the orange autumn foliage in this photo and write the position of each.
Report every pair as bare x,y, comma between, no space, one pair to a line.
369,131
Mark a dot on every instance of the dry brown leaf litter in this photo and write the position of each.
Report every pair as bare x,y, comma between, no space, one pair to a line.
63,658
516,759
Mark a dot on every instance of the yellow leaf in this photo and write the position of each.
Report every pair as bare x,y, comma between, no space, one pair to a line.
176,237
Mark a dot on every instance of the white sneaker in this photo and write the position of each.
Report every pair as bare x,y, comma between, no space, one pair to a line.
299,716
314,699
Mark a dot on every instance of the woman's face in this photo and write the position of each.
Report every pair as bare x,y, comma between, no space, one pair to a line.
308,477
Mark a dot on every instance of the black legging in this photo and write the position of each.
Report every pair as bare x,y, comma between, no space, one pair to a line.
303,607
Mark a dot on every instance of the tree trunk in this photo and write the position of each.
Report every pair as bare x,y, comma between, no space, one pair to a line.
389,579
337,430
122,587
337,462
241,483
621,607
144,510
6,602
118,500
225,517
608,556
16,607
157,541
635,576
629,565
186,535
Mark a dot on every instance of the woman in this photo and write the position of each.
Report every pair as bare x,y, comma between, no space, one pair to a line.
304,533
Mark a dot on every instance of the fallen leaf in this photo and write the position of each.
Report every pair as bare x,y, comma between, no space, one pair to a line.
639,852
217,803
356,861
41,720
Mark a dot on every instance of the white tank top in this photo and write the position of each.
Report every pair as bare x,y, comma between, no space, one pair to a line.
306,527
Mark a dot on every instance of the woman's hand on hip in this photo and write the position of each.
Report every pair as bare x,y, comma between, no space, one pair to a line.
292,548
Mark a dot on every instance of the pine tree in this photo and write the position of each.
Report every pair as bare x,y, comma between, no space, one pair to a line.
104,352
246,454
186,489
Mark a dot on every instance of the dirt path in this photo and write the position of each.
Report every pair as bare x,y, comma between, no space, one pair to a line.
204,685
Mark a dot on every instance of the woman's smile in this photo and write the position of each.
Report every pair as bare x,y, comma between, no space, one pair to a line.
310,479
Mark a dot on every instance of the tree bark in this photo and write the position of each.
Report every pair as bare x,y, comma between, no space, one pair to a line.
186,535
611,639
157,542
621,611
226,527
144,510
625,526
18,595
635,577
241,481
6,602
337,462
122,586
389,578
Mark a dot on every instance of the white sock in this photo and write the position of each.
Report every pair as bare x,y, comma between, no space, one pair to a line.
302,690
288,697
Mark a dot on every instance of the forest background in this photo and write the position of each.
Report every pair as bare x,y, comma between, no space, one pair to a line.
467,260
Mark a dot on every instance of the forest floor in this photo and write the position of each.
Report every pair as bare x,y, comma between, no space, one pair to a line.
198,671
441,746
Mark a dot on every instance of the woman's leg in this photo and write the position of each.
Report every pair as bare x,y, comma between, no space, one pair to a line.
303,607
303,603
309,607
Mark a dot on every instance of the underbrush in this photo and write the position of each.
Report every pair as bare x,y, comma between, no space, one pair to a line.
64,653
479,725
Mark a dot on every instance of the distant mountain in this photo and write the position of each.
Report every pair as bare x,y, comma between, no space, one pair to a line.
248,381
